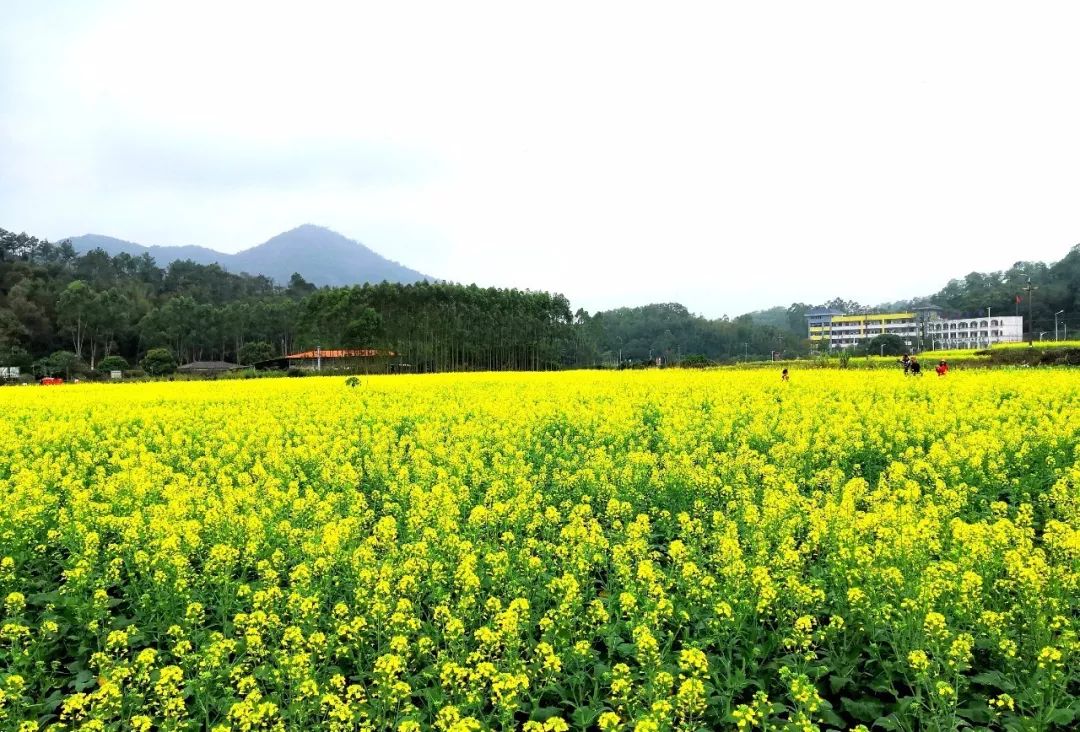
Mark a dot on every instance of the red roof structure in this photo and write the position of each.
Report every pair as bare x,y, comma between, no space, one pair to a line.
341,353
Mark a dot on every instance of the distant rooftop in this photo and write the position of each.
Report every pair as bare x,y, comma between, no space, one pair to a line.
207,366
342,353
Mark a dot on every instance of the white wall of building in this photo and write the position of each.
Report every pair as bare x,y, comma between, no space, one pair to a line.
975,332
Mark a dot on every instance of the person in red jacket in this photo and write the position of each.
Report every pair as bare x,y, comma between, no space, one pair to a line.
942,368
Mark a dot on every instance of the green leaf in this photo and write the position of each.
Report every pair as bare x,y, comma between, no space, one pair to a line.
42,598
585,716
52,702
84,680
864,710
540,714
831,717
1062,716
975,713
994,679
881,685
888,723
836,683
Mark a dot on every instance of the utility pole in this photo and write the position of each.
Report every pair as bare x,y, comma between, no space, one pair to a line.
1059,312
1030,288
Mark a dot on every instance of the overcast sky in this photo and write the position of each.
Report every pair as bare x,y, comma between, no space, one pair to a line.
728,156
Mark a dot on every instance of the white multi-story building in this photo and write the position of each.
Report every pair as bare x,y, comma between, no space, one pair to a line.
923,329
974,332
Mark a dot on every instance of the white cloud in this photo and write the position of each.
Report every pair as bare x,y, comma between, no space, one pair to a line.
726,156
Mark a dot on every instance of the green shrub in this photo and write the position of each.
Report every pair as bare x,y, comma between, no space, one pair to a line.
63,364
159,362
694,361
113,363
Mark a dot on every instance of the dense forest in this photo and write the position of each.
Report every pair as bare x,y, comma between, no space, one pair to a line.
1058,291
59,309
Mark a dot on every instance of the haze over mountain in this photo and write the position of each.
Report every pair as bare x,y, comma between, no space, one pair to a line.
321,256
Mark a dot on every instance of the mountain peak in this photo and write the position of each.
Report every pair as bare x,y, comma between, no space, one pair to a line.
321,256
309,230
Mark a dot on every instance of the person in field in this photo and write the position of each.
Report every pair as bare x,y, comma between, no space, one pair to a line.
942,368
906,363
916,369
784,375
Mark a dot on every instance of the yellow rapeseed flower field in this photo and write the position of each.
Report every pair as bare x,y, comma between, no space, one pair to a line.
616,551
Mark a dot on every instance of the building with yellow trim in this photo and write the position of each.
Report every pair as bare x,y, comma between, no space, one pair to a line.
846,331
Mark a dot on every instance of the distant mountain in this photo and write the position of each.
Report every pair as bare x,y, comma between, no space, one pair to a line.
162,255
320,255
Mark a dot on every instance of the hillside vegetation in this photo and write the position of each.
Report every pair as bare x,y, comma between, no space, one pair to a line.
57,306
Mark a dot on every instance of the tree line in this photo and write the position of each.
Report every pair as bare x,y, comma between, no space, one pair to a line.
1058,286
1003,292
60,310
